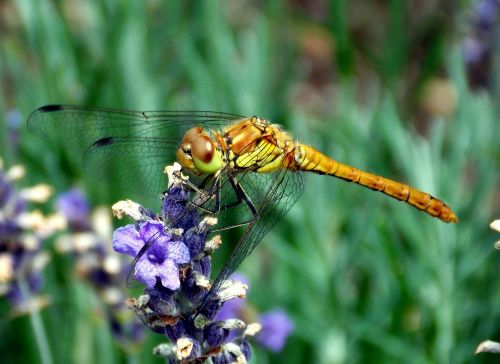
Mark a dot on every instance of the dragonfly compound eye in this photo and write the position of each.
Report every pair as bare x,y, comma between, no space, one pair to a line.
202,148
205,156
192,134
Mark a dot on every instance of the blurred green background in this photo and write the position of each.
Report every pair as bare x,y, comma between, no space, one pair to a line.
392,87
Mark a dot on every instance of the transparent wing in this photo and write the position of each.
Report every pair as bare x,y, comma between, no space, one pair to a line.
119,145
283,188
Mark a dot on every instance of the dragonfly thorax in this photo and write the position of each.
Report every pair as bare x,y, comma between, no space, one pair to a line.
199,153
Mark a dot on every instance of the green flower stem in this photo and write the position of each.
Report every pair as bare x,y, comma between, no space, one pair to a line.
38,328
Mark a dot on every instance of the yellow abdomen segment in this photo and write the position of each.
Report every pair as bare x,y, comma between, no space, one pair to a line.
309,159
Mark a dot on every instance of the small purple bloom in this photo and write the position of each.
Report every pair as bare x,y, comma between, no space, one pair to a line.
176,331
75,207
472,50
175,208
20,298
161,260
14,118
233,308
162,301
215,334
276,326
478,46
195,241
486,12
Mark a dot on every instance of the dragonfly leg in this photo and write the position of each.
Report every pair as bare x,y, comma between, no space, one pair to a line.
242,195
204,196
215,192
229,227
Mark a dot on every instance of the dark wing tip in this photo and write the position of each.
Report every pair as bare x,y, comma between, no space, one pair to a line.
50,108
103,142
32,118
100,143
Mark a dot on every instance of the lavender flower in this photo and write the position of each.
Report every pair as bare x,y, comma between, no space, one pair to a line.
74,206
88,241
175,269
479,43
162,259
14,121
21,235
276,326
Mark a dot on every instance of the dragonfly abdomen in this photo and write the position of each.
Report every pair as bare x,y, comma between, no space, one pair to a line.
309,159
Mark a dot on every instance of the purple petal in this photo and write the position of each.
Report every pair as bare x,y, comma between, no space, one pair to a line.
178,252
146,272
276,326
152,229
231,309
126,240
169,275
74,206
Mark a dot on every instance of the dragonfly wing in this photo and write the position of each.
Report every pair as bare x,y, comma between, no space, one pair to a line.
131,147
283,188
132,164
58,121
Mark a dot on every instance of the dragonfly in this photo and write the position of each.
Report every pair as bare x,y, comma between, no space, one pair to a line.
244,166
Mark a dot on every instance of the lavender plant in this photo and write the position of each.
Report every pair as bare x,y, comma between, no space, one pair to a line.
479,45
22,232
87,239
175,271
22,258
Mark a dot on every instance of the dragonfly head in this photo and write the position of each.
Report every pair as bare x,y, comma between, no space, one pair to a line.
198,153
